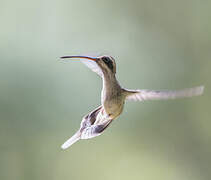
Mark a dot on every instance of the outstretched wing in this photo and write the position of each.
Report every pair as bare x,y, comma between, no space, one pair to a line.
93,66
141,95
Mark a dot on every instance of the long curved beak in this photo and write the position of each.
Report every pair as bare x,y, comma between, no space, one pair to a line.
82,57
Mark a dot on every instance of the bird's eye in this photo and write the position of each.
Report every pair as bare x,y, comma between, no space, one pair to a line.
108,62
106,59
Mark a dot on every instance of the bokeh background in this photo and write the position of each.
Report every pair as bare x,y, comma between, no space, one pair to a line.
157,44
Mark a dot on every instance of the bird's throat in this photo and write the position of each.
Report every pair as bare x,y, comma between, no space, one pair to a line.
110,85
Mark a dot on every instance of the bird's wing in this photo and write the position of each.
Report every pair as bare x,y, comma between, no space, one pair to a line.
93,66
142,95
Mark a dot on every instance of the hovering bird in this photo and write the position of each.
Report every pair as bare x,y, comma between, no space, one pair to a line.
113,98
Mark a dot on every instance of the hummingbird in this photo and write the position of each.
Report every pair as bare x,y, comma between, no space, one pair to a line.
113,97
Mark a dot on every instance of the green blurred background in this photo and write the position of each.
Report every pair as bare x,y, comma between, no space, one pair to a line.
157,44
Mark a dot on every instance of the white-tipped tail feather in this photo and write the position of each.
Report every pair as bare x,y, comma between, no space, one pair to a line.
72,140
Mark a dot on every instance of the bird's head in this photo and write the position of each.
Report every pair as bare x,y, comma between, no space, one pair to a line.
106,63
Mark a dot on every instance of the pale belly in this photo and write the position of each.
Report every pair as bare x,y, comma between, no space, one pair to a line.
109,112
113,108
112,101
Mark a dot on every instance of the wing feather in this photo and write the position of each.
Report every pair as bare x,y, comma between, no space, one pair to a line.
142,95
93,66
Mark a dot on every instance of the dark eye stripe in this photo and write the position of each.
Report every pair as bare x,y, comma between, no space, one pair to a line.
108,62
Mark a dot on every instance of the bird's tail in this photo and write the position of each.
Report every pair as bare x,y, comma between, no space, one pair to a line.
72,140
